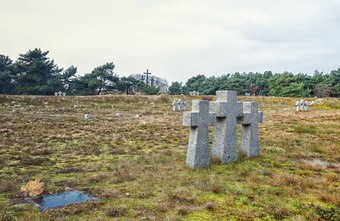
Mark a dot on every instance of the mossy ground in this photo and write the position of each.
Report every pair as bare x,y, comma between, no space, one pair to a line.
136,166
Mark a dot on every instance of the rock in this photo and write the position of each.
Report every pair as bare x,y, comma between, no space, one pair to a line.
87,116
12,102
138,115
14,111
118,114
75,106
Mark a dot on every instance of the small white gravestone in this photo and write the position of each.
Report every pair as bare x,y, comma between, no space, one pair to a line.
302,105
64,94
14,111
186,103
118,114
297,105
55,93
174,106
138,115
87,116
306,106
180,103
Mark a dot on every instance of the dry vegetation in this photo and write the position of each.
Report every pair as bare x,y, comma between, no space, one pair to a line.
136,166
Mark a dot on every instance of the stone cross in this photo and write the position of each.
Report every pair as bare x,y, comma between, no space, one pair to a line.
302,104
175,106
306,106
199,121
297,105
249,133
147,76
186,105
180,103
227,110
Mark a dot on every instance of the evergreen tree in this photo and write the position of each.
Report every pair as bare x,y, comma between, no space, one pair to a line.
333,81
6,70
175,88
36,73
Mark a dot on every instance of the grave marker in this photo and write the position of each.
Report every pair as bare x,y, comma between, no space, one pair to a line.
180,103
186,103
249,133
199,121
175,105
227,110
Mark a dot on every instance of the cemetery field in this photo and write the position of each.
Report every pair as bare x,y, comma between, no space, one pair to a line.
136,166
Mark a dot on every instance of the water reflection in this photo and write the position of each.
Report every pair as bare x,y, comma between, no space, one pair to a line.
60,200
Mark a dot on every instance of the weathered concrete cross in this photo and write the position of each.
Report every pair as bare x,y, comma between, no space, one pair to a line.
199,121
186,105
175,106
180,103
249,133
227,110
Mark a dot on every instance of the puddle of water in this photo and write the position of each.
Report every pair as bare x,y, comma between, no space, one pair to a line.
59,200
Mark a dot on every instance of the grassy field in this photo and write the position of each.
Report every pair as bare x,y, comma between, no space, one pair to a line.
136,166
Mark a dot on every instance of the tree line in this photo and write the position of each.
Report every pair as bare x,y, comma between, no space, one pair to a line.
36,74
264,84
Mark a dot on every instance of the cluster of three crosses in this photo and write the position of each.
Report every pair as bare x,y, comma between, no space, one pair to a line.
224,115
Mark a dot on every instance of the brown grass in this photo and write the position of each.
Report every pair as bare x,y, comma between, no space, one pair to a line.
136,166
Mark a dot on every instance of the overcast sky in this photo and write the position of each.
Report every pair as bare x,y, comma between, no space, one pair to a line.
177,39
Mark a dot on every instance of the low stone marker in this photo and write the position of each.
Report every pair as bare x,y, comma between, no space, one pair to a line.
186,103
175,105
59,93
194,93
199,121
224,114
302,105
306,106
180,105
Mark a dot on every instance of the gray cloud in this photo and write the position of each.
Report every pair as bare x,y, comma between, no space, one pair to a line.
177,39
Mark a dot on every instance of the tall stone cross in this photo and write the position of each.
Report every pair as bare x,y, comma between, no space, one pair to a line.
250,131
227,110
147,76
199,121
